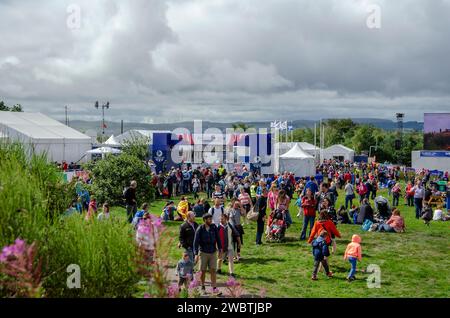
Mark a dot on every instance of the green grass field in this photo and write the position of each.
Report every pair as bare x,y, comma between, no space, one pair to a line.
413,264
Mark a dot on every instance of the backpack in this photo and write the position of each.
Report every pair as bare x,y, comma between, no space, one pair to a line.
367,225
212,210
320,249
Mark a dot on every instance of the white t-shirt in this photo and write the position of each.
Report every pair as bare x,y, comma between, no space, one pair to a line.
216,213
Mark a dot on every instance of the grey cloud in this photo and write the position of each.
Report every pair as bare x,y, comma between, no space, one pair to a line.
226,60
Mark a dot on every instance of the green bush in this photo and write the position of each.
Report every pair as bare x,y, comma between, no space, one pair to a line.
112,174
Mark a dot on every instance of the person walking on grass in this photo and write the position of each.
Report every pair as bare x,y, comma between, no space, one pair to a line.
321,252
396,191
228,234
309,212
261,206
235,212
353,254
325,223
130,200
206,245
349,194
187,235
185,271
419,194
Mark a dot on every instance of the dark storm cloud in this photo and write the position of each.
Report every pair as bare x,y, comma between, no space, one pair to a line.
226,60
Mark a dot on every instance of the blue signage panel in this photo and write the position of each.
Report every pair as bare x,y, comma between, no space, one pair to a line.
435,154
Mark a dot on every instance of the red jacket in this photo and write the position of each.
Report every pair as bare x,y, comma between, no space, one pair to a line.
328,226
309,206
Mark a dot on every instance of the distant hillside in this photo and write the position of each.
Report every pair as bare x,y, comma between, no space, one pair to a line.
114,128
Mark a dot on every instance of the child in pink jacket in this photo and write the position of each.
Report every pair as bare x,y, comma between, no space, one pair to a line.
353,254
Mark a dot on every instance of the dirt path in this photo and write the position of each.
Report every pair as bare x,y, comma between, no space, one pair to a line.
221,285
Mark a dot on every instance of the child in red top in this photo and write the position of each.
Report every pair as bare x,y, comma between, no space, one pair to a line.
353,254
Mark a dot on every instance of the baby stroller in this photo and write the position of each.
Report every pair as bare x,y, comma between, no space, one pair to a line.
277,227
383,208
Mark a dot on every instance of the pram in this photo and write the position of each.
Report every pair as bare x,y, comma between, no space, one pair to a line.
383,208
277,227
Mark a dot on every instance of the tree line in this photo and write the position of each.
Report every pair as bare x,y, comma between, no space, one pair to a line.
365,138
15,108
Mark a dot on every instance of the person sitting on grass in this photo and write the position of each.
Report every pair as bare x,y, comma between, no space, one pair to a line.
320,252
395,224
182,209
342,216
185,271
353,254
227,235
168,211
427,213
104,215
139,215
354,211
199,208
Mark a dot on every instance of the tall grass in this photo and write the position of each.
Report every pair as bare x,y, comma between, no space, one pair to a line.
104,251
33,197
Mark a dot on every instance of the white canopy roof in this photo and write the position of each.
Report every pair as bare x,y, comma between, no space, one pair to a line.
112,142
38,127
339,148
104,150
296,153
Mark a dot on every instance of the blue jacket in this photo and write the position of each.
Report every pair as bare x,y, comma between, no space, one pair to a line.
320,249
206,241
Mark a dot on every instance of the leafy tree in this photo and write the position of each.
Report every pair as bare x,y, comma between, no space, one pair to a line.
138,147
17,108
112,174
241,126
3,106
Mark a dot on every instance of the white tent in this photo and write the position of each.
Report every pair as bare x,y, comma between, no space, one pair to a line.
297,161
42,134
339,152
104,150
112,142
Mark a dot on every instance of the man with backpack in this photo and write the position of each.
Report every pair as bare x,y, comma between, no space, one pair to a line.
129,194
216,211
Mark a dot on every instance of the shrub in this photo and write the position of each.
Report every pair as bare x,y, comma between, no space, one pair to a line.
112,174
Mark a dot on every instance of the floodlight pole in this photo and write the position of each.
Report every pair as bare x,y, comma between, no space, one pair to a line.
103,117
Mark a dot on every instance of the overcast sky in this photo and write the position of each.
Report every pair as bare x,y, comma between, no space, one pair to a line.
226,60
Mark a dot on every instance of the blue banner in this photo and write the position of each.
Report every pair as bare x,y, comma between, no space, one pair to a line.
435,154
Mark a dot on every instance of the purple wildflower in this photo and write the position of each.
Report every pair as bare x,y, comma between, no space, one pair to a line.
173,290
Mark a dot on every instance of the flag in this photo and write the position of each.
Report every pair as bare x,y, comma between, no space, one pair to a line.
290,128
275,124
104,126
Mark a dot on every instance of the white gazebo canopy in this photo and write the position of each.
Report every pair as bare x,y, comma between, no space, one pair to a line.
297,161
103,151
112,142
296,153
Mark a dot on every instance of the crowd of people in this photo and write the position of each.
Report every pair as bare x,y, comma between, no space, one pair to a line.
234,199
